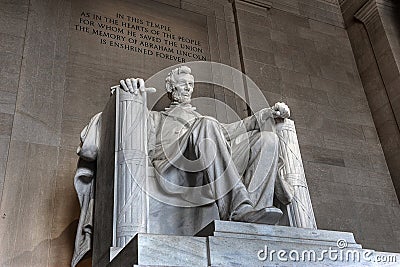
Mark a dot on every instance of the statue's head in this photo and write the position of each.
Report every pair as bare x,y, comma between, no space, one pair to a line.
179,84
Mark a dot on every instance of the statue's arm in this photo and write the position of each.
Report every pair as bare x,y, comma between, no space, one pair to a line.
252,123
233,130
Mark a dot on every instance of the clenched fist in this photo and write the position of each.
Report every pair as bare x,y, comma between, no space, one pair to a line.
280,110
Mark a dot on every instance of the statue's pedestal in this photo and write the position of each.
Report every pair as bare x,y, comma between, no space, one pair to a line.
224,243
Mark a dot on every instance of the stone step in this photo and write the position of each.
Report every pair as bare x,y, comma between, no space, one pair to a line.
162,250
277,233
224,243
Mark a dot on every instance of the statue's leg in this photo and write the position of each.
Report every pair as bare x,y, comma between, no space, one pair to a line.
257,161
210,146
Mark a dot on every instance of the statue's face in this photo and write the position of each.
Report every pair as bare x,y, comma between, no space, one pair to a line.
183,88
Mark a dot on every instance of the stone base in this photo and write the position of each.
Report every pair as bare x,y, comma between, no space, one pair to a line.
224,243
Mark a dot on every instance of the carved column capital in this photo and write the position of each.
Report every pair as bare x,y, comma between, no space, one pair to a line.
258,3
369,12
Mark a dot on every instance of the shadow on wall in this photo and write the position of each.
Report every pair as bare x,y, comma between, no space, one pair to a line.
397,6
66,238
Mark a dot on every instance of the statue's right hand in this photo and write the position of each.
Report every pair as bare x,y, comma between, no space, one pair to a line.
134,85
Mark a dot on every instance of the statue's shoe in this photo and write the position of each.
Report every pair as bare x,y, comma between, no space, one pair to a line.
270,215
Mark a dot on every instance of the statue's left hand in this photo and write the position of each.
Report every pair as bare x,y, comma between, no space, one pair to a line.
280,110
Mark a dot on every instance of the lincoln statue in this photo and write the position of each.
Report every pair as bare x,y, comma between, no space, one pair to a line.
198,162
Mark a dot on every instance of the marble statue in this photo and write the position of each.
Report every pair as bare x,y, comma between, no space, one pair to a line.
239,167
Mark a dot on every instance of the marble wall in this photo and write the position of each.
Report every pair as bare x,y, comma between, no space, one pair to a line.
55,77
309,64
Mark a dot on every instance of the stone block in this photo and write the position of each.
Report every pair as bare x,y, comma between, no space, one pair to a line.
225,47
301,43
300,92
6,124
316,172
7,102
348,131
16,9
348,176
9,82
370,134
379,163
307,137
258,55
357,161
287,22
257,38
13,18
332,141
163,250
283,61
334,72
388,67
269,232
75,100
211,8
11,63
380,180
343,221
11,44
233,48
40,98
326,28
295,78
175,3
300,110
373,228
27,202
259,71
279,37
259,17
392,88
291,6
4,146
328,14
71,129
35,130
322,155
307,62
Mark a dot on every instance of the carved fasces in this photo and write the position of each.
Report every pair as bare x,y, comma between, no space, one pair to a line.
130,204
300,210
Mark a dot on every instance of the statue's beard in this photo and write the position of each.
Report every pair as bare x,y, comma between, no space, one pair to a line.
180,98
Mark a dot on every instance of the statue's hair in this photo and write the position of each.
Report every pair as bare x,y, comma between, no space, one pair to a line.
170,79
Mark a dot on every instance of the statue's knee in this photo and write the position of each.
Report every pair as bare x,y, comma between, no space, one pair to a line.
208,121
267,138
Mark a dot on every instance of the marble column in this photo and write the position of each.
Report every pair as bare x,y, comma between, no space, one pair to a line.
380,19
300,210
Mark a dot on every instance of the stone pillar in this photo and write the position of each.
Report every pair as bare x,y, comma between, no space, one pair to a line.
130,208
300,211
381,21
